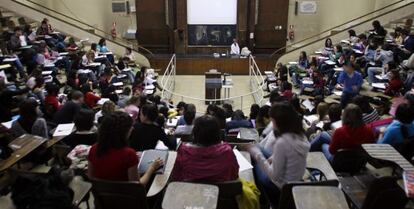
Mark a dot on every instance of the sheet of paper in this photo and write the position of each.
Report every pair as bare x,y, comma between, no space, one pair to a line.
10,59
337,93
243,163
379,85
330,62
310,118
293,63
102,101
64,129
7,124
118,84
339,69
308,105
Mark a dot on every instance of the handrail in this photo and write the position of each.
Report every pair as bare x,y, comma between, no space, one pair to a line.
330,29
116,40
353,26
256,80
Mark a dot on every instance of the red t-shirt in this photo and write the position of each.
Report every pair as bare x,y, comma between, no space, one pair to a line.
114,164
346,137
52,101
91,99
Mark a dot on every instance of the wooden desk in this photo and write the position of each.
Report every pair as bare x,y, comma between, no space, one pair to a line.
161,180
23,146
181,195
247,174
5,66
80,188
388,153
317,160
319,197
248,134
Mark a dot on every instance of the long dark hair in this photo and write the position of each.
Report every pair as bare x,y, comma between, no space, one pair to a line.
404,114
28,114
352,116
113,132
287,118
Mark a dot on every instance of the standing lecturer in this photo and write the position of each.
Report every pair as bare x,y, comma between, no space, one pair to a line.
235,49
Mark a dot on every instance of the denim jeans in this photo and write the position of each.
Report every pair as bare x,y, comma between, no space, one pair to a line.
323,138
371,74
264,183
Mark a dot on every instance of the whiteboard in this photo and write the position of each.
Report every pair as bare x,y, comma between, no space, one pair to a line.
212,12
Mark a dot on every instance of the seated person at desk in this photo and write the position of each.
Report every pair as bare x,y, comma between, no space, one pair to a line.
185,127
107,108
235,48
238,120
45,32
129,54
84,129
378,29
68,111
351,135
146,134
7,101
102,49
188,108
51,103
369,114
402,128
207,158
296,70
111,158
351,81
288,159
385,57
394,85
29,121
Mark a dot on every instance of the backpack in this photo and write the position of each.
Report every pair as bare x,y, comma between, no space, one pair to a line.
41,192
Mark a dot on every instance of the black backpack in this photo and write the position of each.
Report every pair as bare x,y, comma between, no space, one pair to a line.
41,192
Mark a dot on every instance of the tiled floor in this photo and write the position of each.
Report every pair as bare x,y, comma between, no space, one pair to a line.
191,89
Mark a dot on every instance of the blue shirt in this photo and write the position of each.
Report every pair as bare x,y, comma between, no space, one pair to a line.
393,135
348,82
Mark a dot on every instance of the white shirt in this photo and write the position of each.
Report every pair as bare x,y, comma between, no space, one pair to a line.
235,49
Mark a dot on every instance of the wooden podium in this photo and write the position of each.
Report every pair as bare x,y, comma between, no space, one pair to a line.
213,85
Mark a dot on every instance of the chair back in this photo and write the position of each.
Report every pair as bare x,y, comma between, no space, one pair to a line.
125,195
406,149
184,137
349,161
385,193
227,193
286,200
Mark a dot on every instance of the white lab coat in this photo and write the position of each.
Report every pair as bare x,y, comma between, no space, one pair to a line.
235,49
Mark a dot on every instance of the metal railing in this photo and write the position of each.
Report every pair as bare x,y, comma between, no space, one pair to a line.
79,24
342,27
256,84
168,79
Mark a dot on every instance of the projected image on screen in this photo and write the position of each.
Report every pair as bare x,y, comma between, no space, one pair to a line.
215,35
211,22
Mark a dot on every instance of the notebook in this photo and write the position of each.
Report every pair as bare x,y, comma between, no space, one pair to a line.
408,177
64,129
148,156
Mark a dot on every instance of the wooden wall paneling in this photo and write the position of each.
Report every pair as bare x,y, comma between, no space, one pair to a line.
152,30
242,20
251,16
181,30
271,13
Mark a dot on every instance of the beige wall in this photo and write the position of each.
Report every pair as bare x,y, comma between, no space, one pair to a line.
330,13
97,13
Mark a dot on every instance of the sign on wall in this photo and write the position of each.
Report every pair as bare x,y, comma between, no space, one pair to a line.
308,7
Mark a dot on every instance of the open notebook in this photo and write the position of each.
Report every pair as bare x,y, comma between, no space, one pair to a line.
148,157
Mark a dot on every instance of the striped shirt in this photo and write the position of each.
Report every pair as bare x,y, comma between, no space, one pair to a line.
371,117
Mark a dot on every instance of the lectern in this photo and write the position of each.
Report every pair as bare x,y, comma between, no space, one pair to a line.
213,85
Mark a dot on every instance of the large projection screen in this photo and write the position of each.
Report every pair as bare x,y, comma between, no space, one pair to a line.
212,12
